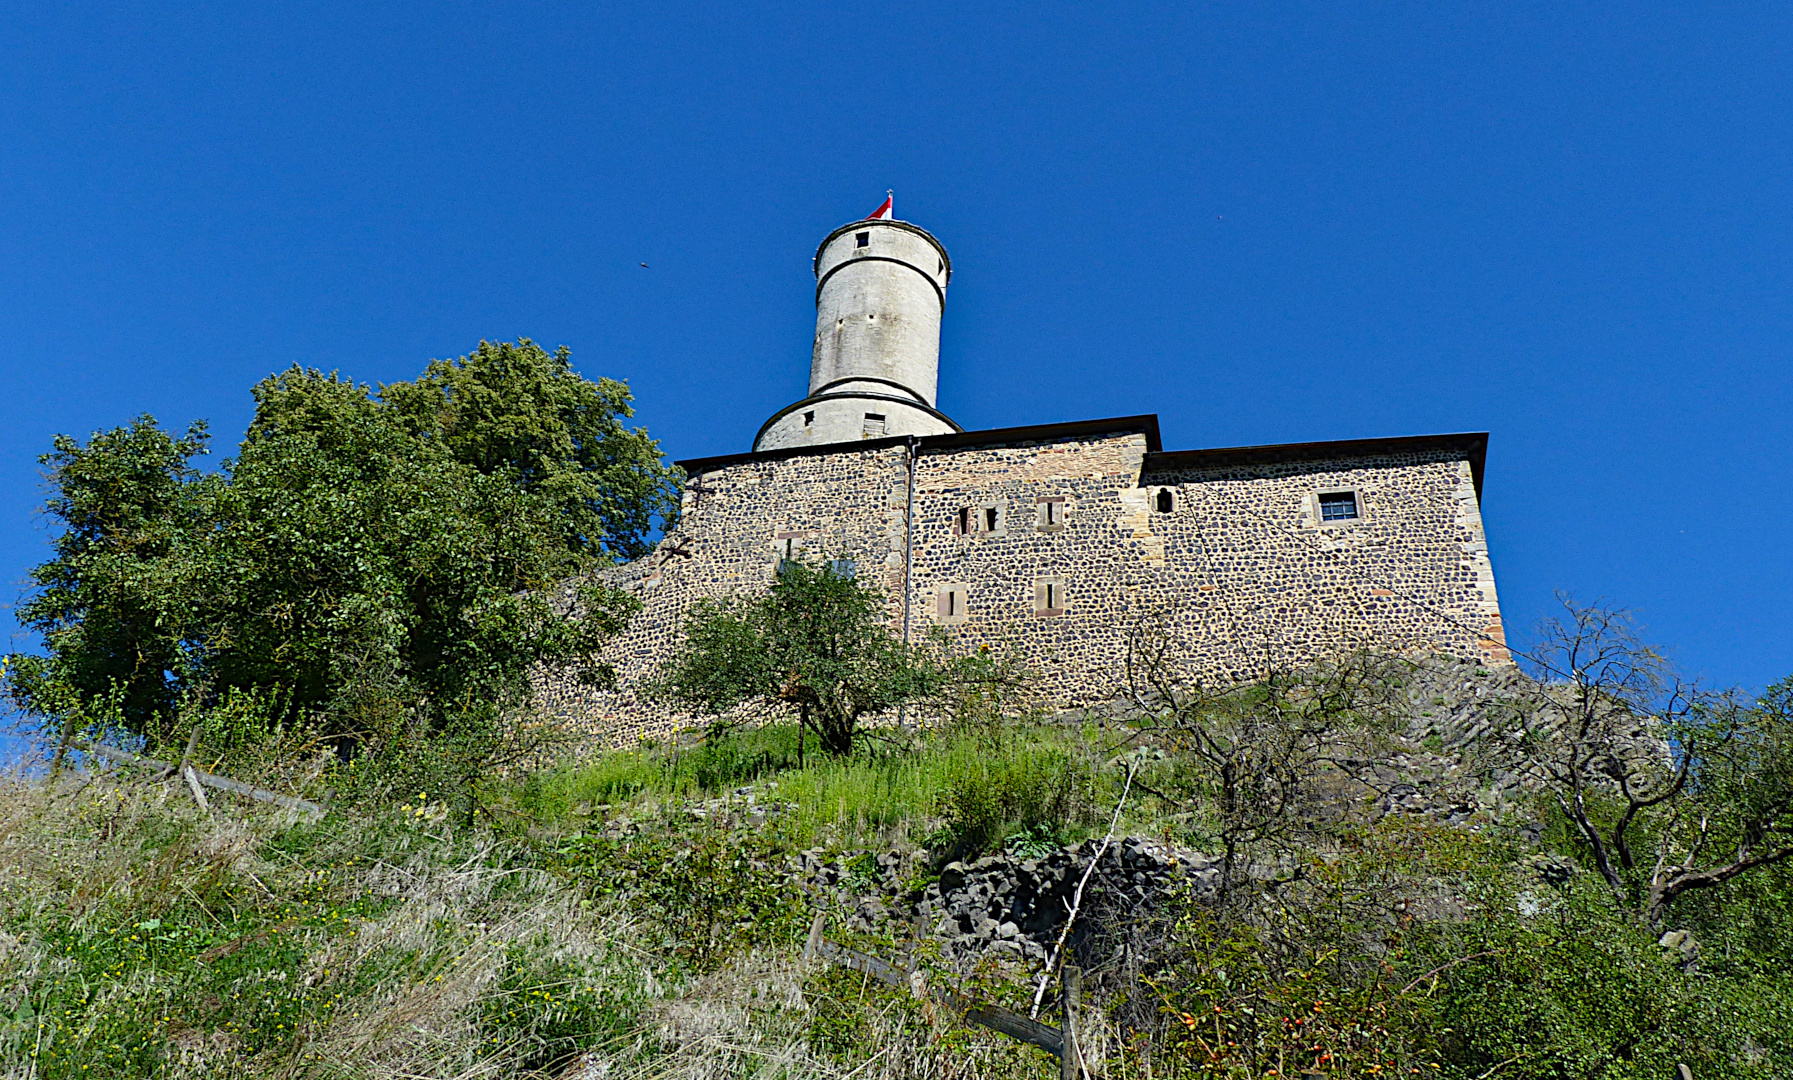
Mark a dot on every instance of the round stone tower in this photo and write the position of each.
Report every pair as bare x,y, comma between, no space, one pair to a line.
880,292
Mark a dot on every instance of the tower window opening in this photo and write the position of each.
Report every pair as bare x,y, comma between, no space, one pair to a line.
1338,506
809,417
863,239
874,425
1166,501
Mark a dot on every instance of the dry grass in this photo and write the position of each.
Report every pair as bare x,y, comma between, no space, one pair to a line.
139,937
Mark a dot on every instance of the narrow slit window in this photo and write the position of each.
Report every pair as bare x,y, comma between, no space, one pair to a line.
1338,506
950,605
989,519
1166,501
1048,596
964,522
863,239
1049,513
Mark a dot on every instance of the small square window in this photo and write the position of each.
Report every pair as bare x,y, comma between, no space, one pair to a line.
874,425
863,239
1049,514
1338,506
809,417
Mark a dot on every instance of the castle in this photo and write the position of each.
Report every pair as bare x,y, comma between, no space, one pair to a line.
1053,542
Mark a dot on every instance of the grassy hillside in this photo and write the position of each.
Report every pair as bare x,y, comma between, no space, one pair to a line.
643,913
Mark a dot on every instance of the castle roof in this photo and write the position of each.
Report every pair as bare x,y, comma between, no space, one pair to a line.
1471,445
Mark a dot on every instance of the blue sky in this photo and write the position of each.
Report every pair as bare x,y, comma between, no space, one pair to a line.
1565,224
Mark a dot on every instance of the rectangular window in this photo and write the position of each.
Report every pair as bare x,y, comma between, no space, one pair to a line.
1338,506
1049,513
809,417
989,519
874,425
951,604
863,239
962,523
1048,596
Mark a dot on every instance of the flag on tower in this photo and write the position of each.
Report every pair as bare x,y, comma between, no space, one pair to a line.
887,211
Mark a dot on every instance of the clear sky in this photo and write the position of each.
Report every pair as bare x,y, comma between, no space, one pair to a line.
1566,224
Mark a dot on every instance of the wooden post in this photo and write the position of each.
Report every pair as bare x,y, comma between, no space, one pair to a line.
188,774
1070,1063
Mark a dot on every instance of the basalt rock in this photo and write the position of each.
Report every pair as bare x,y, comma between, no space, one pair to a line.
1007,904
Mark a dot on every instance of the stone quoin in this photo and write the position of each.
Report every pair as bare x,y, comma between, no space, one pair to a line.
1054,543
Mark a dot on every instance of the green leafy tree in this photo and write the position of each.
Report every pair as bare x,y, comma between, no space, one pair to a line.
116,604
519,411
818,643
394,581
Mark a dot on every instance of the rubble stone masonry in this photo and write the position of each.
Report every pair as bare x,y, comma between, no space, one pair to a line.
1057,544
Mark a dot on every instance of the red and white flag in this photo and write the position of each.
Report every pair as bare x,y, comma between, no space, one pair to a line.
885,212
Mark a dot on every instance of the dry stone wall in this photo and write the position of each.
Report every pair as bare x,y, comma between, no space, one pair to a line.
1057,550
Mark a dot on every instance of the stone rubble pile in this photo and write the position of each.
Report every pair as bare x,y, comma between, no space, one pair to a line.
1009,904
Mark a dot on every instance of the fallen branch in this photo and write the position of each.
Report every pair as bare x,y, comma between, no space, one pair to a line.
995,1017
1064,932
1441,967
195,776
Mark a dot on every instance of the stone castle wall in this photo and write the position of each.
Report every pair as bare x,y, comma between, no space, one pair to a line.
1056,550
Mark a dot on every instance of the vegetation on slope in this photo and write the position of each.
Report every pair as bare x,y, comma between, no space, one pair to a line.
639,914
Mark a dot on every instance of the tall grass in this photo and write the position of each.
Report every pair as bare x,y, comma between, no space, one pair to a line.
140,938
977,785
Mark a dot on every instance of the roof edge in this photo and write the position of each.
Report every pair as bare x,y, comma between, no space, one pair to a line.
1146,424
1471,444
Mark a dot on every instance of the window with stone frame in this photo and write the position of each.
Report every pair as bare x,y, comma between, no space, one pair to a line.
993,518
1337,507
1049,513
952,603
1049,596
789,546
987,519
